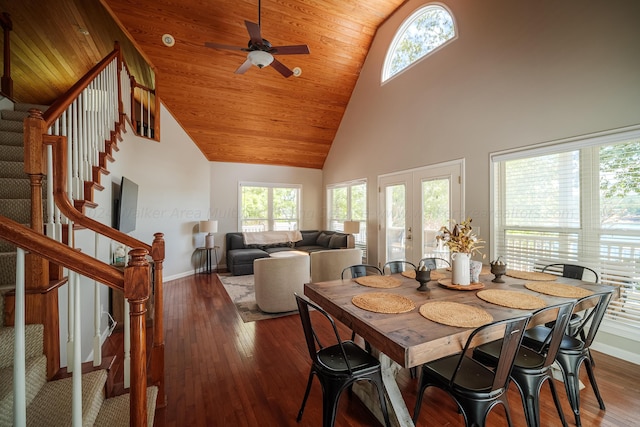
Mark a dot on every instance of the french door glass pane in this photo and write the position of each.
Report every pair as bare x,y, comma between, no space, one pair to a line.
435,214
395,221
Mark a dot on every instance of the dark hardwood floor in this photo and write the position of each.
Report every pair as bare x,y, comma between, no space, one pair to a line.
223,372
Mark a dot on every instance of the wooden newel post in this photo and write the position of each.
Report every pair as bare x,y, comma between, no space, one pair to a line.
136,290
6,84
157,356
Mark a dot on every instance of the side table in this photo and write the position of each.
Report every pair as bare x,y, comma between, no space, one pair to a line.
206,252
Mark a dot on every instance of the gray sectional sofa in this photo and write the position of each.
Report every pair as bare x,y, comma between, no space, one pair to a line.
240,257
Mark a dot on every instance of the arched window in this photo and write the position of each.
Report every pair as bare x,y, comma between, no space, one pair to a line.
425,30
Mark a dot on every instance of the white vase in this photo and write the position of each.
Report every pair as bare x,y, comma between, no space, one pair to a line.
460,268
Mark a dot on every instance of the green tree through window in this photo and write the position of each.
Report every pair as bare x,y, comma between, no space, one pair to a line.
425,30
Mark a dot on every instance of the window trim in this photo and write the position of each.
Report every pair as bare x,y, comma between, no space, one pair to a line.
270,186
402,28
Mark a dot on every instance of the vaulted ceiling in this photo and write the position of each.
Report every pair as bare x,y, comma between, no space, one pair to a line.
256,117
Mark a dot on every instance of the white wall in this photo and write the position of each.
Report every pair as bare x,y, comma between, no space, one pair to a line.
173,190
173,195
225,178
519,73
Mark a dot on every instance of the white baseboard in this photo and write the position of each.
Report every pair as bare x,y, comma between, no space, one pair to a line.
616,352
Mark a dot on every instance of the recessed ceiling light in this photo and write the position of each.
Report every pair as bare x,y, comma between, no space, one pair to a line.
168,40
83,31
297,71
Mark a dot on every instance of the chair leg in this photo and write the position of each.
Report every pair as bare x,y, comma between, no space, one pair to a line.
475,411
556,401
331,391
570,367
592,380
383,401
306,395
416,410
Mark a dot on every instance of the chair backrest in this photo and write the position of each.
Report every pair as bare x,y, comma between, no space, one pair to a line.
434,263
360,270
550,345
328,265
570,271
592,317
313,343
397,266
514,329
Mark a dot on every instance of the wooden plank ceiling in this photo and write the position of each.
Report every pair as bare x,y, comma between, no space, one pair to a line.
257,117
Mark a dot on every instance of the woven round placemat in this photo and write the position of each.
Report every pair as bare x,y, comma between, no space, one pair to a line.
385,282
382,302
455,314
435,275
558,289
530,275
511,299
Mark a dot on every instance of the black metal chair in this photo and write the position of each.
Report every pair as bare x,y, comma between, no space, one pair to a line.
475,387
532,366
360,270
570,271
434,263
337,366
397,266
574,349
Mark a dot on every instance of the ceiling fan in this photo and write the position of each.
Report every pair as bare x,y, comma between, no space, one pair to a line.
260,50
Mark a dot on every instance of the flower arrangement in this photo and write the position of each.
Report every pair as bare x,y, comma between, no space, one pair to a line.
460,238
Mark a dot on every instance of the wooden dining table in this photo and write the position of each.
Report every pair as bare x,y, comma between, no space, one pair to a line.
407,340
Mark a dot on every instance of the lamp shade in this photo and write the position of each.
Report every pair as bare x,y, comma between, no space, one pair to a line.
352,227
260,58
208,226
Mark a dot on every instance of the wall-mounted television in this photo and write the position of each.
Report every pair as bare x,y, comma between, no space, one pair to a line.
125,206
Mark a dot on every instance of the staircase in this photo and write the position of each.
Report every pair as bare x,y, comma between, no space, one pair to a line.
48,402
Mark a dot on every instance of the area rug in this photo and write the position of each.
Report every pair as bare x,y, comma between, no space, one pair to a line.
241,292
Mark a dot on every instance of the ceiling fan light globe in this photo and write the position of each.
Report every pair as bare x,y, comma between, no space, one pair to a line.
260,58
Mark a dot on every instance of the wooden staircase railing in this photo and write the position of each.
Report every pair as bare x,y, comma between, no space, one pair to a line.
38,143
133,282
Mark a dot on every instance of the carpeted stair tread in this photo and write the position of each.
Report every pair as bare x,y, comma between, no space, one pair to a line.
8,247
26,107
33,336
14,115
15,188
12,169
14,139
7,269
11,126
115,411
36,377
18,210
12,153
52,406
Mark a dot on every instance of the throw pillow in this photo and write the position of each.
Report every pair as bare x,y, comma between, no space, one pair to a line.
323,239
338,241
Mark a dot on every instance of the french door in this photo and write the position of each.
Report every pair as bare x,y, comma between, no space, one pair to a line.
413,206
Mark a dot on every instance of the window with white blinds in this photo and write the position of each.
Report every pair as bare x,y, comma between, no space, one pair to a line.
576,202
347,201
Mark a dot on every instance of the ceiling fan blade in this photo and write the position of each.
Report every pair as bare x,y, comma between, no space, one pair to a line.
224,46
254,32
290,50
244,67
281,68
